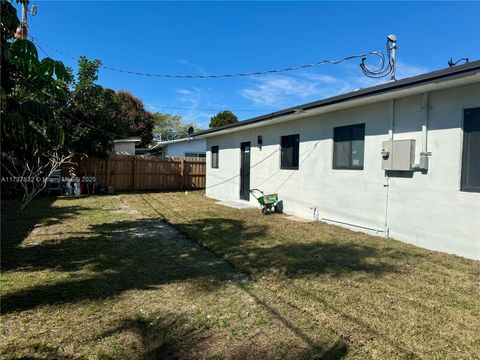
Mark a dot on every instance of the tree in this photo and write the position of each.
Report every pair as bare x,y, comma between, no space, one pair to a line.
136,120
170,127
33,95
47,115
223,118
94,113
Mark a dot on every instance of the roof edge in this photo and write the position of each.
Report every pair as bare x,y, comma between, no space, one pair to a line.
390,86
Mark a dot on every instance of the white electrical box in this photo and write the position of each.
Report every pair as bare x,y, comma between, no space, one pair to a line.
398,155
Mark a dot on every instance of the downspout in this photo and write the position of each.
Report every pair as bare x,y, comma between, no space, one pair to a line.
424,154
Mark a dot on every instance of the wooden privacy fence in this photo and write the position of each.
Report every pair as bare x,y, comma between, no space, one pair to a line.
145,173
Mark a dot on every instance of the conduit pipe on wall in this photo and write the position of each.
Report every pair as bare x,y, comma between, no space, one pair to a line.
392,120
385,231
391,133
424,154
354,225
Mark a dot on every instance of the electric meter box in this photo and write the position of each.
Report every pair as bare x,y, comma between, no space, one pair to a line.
398,155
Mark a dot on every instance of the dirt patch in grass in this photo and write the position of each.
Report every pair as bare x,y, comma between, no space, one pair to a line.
101,278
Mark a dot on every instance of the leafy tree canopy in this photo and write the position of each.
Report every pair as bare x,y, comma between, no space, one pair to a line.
223,118
33,95
94,113
135,119
170,127
47,115
33,92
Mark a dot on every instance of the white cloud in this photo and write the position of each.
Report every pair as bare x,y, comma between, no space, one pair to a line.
198,68
275,89
197,98
404,70
287,90
188,98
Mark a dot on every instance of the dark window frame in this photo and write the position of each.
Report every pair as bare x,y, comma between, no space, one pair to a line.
467,138
335,136
215,150
295,152
198,155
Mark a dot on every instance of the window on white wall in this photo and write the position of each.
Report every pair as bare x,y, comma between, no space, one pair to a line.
348,147
289,151
214,150
194,155
471,150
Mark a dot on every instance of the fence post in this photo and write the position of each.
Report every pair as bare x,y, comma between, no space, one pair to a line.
134,171
182,164
108,177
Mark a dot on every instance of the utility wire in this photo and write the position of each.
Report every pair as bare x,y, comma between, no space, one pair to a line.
92,127
32,37
197,109
181,108
385,67
303,156
243,74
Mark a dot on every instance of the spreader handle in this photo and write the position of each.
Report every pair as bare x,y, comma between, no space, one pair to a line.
260,191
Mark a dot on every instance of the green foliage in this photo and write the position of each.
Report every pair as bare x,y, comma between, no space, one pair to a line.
33,97
93,114
9,21
32,92
47,115
137,122
98,115
170,127
223,118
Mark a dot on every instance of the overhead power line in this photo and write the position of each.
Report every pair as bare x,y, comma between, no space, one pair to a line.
383,71
197,109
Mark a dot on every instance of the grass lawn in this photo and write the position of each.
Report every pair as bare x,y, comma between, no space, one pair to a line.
105,277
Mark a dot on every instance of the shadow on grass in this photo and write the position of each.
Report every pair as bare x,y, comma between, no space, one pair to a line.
144,253
16,225
164,337
173,337
250,248
116,257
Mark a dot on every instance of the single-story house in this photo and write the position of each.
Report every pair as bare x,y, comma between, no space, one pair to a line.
401,159
186,147
125,146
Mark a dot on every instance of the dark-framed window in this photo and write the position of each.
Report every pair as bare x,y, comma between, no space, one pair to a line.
289,147
348,147
194,155
214,150
471,151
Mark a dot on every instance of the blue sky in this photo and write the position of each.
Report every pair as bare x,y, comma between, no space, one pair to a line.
226,37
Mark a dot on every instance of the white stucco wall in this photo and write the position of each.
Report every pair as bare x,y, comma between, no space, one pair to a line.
124,148
179,149
427,210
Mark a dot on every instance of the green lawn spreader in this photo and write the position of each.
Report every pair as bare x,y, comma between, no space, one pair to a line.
267,202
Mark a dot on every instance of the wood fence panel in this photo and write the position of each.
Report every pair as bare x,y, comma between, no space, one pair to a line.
194,173
121,172
141,173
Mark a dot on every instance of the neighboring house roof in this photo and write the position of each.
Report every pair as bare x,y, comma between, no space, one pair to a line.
128,140
162,144
359,97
